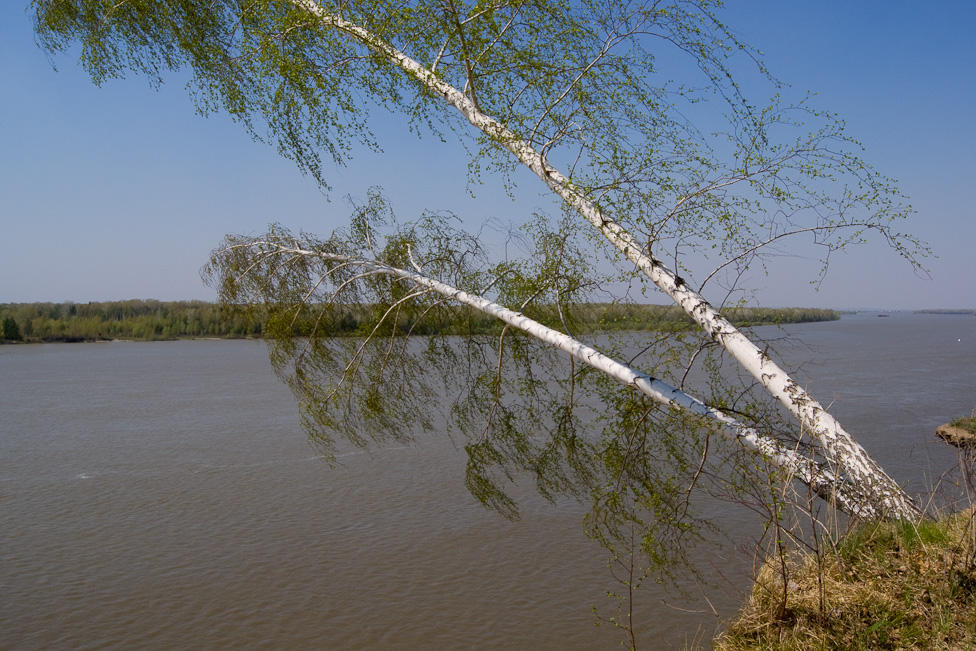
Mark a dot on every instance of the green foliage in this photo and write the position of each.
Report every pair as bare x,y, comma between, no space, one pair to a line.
380,383
158,320
10,331
641,105
525,412
135,319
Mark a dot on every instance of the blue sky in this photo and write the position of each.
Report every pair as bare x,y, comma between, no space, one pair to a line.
122,191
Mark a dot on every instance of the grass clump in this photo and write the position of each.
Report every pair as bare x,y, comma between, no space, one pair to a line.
967,424
885,586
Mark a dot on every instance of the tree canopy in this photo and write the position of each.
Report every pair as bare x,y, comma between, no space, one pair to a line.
674,175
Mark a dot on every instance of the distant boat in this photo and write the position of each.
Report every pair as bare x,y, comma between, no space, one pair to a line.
884,315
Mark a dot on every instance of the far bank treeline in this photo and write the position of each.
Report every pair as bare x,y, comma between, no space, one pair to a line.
150,320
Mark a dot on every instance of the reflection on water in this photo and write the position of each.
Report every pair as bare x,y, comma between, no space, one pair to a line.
163,495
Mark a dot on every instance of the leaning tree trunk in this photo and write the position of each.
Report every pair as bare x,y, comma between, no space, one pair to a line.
878,492
838,491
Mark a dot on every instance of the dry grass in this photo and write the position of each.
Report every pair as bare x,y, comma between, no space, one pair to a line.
886,586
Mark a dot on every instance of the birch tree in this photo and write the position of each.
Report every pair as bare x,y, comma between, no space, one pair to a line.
632,114
252,270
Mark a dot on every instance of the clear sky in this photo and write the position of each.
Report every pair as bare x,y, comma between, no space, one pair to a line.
121,191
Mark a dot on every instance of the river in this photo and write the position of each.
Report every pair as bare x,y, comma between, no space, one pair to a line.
163,495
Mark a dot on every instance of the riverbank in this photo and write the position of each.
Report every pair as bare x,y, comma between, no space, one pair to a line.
150,320
885,586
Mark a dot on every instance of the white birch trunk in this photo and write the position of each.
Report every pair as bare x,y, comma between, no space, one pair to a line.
883,494
821,480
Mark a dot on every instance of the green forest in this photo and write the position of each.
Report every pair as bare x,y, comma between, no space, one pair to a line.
150,320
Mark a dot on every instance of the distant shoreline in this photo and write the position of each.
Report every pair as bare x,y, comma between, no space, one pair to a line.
947,312
151,320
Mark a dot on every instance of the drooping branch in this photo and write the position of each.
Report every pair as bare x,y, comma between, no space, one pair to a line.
839,491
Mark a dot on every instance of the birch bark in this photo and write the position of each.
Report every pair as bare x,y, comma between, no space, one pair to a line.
878,491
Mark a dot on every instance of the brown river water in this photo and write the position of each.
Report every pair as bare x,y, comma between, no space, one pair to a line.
162,495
